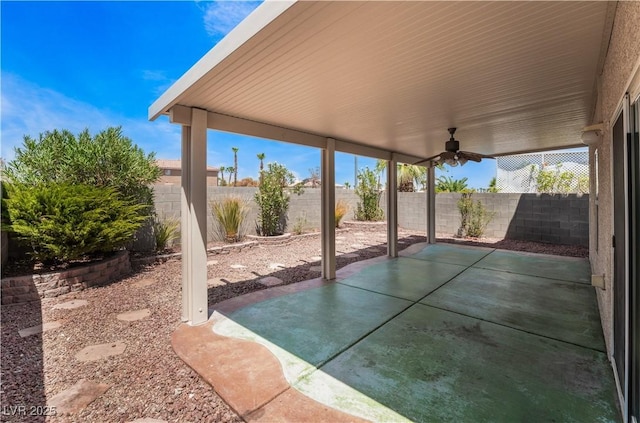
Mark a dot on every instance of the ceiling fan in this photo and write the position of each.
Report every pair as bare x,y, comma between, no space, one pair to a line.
453,156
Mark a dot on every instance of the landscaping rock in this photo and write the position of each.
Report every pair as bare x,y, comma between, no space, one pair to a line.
69,305
132,316
33,330
270,281
98,352
77,397
144,282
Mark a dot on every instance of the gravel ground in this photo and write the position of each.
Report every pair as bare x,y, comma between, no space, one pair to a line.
148,379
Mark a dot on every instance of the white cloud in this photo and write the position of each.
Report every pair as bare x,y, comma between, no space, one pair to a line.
221,17
28,109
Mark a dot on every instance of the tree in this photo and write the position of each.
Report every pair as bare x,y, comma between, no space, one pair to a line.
493,185
108,159
261,157
314,176
235,165
367,190
448,184
273,199
408,174
221,181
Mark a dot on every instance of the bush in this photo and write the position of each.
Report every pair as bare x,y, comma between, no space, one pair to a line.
165,232
107,159
368,208
64,222
273,199
229,215
474,216
341,210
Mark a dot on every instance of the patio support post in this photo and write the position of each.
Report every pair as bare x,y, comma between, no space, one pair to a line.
194,219
431,204
328,212
392,207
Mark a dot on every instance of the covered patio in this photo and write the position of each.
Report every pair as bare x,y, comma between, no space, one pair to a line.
386,80
440,333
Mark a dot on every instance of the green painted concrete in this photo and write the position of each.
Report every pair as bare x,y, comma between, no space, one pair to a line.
486,346
562,268
432,365
404,278
316,324
444,253
566,311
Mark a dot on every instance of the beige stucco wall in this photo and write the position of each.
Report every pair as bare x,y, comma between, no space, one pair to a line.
620,65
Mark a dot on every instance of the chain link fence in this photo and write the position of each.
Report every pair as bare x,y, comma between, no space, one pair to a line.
552,173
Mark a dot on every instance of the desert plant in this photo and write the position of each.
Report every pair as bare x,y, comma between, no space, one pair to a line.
368,208
230,214
165,232
342,207
299,225
474,217
273,199
61,222
493,185
108,159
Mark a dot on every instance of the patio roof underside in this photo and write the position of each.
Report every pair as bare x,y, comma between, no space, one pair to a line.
512,76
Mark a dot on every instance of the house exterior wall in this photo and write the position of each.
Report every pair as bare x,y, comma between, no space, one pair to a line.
620,66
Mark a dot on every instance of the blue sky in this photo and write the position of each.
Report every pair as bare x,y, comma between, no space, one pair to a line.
75,65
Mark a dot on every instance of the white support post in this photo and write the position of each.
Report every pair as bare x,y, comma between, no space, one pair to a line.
328,212
194,219
431,204
185,221
392,207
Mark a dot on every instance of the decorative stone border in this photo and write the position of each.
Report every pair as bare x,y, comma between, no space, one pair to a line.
364,226
271,240
27,288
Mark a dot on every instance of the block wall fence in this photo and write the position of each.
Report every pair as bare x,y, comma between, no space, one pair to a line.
544,218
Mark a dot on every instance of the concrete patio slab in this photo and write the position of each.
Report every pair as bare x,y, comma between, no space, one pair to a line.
328,319
447,367
378,357
546,266
77,397
565,311
405,278
443,253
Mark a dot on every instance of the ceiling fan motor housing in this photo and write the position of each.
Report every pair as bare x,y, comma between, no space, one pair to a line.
452,145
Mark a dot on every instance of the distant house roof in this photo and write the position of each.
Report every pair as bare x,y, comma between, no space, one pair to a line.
177,164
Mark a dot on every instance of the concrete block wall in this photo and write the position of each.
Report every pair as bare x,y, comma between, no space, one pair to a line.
544,218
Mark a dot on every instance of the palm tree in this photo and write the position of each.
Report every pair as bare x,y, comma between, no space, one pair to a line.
448,184
261,158
222,169
407,174
235,165
493,185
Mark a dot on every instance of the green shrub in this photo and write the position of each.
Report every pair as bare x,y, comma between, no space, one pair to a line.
108,159
229,215
165,232
474,217
273,199
367,190
64,222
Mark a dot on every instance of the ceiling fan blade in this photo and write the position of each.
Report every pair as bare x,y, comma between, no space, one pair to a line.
476,157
